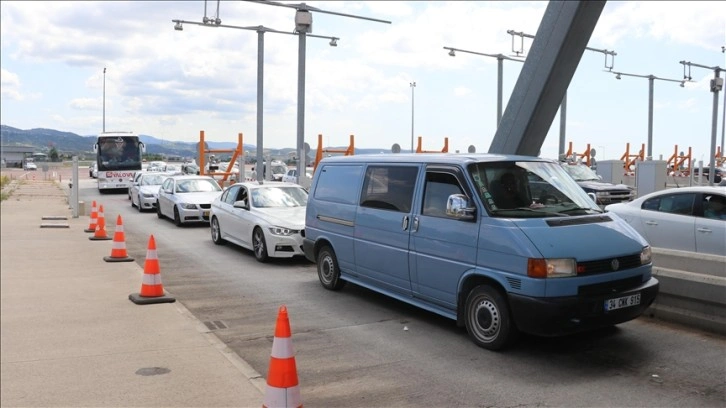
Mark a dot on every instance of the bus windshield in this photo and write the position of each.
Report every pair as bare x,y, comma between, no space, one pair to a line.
119,153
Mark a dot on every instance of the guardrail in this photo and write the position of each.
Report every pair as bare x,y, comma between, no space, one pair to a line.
692,289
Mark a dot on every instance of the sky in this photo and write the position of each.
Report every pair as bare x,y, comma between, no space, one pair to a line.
173,84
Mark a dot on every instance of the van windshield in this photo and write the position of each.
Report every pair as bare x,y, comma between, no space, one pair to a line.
522,189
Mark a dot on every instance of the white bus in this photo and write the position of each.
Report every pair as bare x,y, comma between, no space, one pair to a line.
118,155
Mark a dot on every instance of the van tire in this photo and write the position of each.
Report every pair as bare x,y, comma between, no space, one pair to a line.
328,270
488,319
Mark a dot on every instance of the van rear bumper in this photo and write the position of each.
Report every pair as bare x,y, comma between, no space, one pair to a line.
565,315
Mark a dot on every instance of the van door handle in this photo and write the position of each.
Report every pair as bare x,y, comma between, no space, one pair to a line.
414,227
704,230
404,225
651,223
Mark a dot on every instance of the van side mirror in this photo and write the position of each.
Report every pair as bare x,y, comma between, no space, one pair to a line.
459,207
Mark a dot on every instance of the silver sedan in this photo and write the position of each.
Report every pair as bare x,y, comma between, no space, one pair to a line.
686,219
144,191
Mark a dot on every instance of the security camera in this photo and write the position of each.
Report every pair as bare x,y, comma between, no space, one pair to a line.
178,26
618,76
452,53
334,42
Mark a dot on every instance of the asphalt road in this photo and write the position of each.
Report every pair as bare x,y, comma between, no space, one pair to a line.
356,348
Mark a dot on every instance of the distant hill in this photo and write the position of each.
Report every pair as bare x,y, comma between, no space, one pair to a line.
73,144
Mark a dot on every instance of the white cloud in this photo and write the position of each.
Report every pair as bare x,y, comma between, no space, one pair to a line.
86,104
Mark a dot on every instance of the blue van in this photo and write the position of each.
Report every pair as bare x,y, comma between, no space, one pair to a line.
499,243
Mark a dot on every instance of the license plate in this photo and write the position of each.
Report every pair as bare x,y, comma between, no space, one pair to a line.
206,213
621,302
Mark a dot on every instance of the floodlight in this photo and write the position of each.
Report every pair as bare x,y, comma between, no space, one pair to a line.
178,26
334,42
452,53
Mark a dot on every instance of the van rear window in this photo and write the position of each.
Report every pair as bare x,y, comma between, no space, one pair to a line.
339,184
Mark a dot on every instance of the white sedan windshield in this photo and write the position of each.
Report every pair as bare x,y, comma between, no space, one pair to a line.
270,197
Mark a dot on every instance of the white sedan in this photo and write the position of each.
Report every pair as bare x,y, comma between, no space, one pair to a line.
685,219
291,176
187,198
267,218
144,191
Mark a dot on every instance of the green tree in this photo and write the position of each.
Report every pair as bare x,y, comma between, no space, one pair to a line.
53,154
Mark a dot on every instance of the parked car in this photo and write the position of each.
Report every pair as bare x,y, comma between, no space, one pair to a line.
187,198
30,166
190,168
718,172
267,218
605,193
156,166
686,219
93,170
144,190
291,176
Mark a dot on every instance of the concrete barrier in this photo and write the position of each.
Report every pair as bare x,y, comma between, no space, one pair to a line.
692,289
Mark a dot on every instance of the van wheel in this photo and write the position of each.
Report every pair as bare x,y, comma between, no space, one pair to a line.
487,319
258,245
328,271
216,232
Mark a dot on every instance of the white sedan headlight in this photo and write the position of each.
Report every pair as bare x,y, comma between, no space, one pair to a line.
187,206
282,231
149,195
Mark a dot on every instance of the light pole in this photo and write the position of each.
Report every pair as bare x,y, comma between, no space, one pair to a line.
609,64
413,86
104,99
716,87
261,30
304,26
500,72
651,80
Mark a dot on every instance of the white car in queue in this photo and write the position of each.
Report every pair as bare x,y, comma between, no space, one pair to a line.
144,191
187,199
267,218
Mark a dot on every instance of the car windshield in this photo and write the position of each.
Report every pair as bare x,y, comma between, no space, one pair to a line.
152,180
580,172
197,186
272,197
524,189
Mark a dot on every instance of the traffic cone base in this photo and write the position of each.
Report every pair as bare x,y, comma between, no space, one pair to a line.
144,300
152,291
118,251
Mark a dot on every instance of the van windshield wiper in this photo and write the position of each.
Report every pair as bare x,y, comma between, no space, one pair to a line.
533,210
568,210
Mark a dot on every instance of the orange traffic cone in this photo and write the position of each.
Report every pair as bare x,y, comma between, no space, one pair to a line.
152,291
94,218
282,388
118,251
100,234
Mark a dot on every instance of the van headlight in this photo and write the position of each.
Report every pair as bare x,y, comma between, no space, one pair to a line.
645,256
551,268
